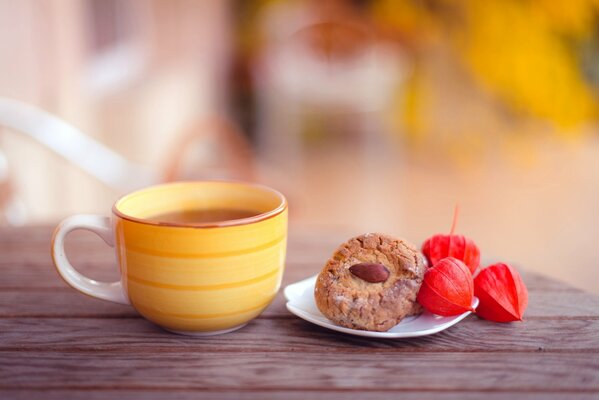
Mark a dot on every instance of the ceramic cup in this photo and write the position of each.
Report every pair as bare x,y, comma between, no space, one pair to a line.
198,279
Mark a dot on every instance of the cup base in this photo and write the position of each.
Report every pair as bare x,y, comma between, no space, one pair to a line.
204,334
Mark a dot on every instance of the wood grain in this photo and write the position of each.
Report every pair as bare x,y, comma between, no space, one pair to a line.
224,370
58,343
245,394
136,334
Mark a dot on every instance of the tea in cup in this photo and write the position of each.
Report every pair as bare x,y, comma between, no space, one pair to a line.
198,258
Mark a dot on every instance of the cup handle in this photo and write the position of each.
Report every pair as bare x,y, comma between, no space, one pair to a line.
101,226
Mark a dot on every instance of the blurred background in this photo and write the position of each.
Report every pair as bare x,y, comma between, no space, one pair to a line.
370,115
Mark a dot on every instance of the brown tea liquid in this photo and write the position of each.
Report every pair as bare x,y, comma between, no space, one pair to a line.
201,216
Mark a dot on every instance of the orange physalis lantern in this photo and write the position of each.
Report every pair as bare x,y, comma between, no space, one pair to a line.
447,288
502,293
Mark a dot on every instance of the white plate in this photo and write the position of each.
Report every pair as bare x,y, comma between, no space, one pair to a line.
300,301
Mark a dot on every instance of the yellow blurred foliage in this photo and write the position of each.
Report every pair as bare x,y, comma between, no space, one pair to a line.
410,17
574,18
512,48
523,52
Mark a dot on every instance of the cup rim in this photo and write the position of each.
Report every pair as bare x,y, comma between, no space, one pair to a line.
232,222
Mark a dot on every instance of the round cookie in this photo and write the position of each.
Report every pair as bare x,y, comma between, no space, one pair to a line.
356,303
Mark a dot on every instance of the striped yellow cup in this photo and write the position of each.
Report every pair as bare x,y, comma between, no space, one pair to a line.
190,278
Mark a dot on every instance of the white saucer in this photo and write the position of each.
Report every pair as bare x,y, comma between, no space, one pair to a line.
300,301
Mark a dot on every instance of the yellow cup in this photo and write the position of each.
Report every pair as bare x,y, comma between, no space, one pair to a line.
199,279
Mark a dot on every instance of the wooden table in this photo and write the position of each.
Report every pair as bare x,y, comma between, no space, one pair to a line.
56,343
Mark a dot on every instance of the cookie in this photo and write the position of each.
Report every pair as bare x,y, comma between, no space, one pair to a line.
370,283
